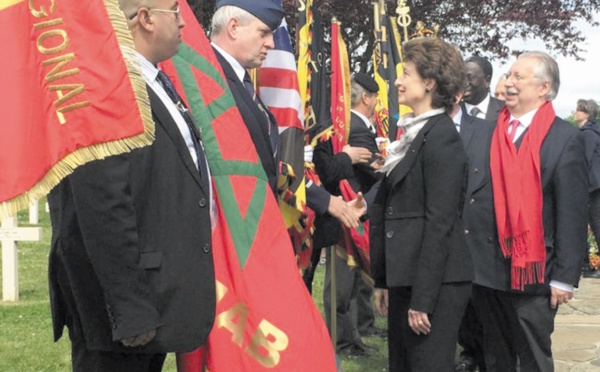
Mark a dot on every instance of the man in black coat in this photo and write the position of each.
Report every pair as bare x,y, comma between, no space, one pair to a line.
517,311
130,267
476,135
478,101
358,320
242,34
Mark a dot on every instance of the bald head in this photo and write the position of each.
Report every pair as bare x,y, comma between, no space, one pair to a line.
155,27
130,7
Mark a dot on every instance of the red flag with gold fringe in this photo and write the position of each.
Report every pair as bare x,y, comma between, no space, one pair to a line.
356,240
64,100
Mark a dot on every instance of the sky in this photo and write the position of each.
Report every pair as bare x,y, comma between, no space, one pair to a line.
578,79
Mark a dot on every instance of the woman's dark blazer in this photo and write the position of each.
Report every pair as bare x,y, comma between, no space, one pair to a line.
417,239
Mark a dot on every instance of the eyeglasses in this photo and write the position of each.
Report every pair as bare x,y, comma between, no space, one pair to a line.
177,12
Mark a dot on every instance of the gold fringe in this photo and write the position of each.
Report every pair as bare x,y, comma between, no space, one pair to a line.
65,166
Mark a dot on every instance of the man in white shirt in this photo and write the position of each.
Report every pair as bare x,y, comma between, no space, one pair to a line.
477,99
539,177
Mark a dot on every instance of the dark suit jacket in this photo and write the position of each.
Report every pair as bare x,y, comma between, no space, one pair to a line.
417,237
564,192
131,247
494,108
478,212
334,168
255,120
360,136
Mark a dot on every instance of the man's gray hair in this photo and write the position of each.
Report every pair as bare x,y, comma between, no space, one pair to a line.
356,92
225,13
546,71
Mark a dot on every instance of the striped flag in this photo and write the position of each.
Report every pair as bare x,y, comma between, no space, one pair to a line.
279,90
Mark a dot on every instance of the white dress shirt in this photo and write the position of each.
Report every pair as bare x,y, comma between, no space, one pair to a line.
482,106
150,73
457,119
365,120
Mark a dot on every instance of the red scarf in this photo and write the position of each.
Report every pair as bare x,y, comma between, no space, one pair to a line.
517,182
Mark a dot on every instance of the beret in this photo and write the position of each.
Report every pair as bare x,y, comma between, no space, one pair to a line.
269,12
366,82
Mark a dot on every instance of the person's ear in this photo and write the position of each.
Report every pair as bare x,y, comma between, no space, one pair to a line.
144,19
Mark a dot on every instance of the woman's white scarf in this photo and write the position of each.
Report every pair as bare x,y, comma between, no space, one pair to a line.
410,126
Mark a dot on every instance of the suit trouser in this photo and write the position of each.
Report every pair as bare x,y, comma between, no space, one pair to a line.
346,289
409,352
470,337
515,325
85,360
361,307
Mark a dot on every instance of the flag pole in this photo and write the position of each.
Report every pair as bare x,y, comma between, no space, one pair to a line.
333,307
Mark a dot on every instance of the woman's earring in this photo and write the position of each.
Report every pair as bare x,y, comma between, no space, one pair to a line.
427,89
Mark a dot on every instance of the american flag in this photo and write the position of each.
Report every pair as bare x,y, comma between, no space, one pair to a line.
278,83
279,90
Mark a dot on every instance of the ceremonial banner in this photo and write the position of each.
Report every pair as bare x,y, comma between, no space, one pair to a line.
340,88
64,99
265,318
279,91
356,240
388,66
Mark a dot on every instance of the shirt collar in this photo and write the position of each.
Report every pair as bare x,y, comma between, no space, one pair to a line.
149,71
239,70
482,106
526,119
458,117
364,119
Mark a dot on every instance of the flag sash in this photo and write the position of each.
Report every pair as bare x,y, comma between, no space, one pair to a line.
256,329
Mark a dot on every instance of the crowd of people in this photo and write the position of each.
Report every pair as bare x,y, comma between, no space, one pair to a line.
478,211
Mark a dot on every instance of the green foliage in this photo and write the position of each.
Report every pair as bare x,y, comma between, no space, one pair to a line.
26,339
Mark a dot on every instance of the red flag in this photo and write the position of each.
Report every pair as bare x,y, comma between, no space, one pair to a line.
340,89
260,294
64,100
356,241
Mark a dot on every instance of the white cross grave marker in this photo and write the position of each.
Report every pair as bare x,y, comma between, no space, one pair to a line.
34,212
10,234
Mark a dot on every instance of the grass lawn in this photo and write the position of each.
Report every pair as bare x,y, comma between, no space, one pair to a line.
26,340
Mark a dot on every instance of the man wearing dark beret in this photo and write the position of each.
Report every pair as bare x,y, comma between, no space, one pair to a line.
354,312
242,34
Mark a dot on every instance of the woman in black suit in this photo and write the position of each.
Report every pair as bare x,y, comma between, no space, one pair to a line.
418,247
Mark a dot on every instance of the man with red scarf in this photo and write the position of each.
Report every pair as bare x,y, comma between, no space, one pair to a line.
527,260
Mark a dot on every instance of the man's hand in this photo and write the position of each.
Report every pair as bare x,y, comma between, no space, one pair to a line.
418,321
379,162
139,340
380,297
559,297
357,154
339,209
358,205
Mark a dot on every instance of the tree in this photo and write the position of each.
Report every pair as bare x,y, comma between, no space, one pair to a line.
481,27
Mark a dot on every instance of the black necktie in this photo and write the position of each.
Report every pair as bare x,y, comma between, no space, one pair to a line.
475,111
166,83
249,86
273,134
